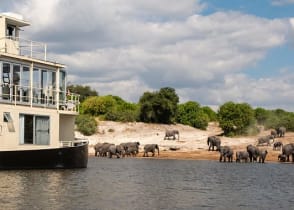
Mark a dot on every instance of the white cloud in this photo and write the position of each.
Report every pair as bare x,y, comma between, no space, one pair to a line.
282,2
127,47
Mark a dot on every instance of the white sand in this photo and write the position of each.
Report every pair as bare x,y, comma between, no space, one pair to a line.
191,139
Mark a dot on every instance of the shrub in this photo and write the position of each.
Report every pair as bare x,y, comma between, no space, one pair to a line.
236,119
190,113
86,124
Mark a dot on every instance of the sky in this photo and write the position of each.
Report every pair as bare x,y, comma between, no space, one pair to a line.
209,51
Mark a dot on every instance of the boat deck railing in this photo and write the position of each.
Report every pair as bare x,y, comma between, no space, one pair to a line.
39,97
23,47
75,142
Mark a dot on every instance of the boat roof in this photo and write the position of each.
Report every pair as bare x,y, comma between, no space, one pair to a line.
31,60
14,19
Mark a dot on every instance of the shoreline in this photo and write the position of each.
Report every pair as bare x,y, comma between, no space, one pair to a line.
196,155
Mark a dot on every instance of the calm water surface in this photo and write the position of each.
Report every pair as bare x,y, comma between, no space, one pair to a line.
151,184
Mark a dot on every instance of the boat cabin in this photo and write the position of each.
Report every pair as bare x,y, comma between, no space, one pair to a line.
36,110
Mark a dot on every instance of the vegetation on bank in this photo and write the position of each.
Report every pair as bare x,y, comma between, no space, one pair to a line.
163,107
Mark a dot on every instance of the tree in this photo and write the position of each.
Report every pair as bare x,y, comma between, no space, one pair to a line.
190,113
236,119
97,105
261,115
210,113
83,91
159,107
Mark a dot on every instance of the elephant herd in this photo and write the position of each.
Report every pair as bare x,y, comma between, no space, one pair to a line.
253,153
124,149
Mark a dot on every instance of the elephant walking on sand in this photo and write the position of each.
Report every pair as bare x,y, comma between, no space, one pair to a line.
226,152
171,133
281,131
265,140
213,141
150,148
277,145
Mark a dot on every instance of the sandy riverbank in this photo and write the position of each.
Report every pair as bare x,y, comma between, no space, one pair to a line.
192,144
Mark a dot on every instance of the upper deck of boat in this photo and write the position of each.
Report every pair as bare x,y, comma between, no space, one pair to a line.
27,77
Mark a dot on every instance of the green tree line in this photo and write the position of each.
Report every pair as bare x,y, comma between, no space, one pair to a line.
163,106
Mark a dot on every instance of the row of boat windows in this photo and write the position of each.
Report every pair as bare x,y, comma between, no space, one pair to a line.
34,129
15,84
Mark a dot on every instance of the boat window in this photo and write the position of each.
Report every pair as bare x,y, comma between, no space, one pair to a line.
25,84
34,129
16,79
8,119
5,83
62,87
36,86
10,31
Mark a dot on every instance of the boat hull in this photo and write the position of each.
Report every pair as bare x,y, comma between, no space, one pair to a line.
65,157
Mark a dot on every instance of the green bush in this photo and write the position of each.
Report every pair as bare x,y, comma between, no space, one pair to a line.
236,119
190,113
86,124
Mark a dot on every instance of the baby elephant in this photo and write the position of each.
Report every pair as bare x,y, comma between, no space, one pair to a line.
262,156
150,148
242,155
277,145
282,158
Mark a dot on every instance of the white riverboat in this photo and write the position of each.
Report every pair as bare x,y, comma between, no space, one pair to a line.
37,114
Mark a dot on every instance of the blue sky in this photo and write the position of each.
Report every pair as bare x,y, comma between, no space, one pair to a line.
261,8
210,51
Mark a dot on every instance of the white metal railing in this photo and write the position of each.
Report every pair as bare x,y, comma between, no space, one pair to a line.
75,142
36,97
19,46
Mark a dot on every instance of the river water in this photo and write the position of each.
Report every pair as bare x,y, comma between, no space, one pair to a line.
130,183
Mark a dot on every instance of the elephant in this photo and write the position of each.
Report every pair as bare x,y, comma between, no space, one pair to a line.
262,156
213,141
171,133
226,152
101,149
242,155
282,158
96,148
253,152
131,148
150,148
265,139
112,150
288,150
277,145
281,131
120,149
274,133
